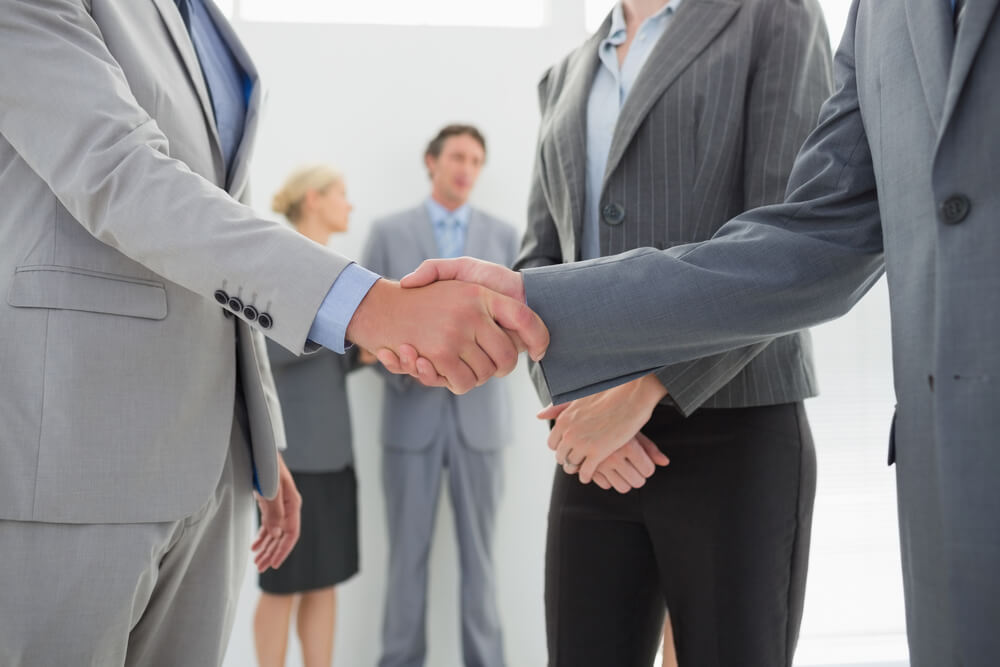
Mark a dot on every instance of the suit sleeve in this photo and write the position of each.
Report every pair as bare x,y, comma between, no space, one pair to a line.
540,244
768,272
68,111
791,80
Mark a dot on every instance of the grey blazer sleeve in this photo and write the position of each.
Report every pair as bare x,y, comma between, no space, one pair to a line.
768,272
109,164
792,79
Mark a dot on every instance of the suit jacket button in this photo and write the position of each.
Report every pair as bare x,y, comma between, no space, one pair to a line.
954,209
250,313
264,321
235,305
221,297
613,213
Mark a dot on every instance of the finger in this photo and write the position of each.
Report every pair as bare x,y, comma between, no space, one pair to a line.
637,456
556,434
408,358
480,363
617,481
590,464
570,468
428,375
652,450
563,452
523,321
552,411
460,377
263,558
518,343
432,270
633,477
602,481
498,346
390,360
259,540
281,552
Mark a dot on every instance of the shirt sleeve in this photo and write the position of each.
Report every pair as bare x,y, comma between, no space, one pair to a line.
329,329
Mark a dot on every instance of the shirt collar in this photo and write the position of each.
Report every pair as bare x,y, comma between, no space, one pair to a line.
618,30
439,214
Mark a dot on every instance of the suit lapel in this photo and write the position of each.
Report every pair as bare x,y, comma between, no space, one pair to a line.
423,231
185,50
476,235
929,22
569,125
975,24
696,25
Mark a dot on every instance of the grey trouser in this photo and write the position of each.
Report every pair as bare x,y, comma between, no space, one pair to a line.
150,594
412,485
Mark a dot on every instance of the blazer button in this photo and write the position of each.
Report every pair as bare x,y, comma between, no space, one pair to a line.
221,297
954,209
250,313
264,321
613,213
235,305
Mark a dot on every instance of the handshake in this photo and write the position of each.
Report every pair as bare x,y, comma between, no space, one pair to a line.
451,323
456,323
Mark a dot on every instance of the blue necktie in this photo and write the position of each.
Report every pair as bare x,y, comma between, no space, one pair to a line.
450,238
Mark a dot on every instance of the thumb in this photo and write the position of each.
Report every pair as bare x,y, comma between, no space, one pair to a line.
521,320
552,411
652,451
431,271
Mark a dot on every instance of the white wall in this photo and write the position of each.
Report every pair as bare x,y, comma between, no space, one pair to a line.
366,99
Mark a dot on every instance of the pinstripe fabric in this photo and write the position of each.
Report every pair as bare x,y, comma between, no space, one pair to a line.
710,128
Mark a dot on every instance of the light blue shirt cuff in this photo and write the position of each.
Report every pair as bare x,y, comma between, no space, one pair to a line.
329,329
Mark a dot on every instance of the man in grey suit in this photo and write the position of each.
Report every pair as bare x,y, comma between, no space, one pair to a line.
901,175
427,431
137,406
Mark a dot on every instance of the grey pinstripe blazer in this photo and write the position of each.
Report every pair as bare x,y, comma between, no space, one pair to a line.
710,128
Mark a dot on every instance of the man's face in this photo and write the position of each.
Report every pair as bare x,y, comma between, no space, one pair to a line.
455,171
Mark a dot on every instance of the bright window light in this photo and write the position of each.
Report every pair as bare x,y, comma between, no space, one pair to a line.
486,13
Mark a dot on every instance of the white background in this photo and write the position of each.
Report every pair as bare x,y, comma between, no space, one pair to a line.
366,98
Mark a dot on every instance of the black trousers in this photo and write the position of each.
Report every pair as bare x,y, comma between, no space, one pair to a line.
720,537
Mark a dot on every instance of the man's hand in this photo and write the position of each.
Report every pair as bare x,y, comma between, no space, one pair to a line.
279,522
588,430
465,332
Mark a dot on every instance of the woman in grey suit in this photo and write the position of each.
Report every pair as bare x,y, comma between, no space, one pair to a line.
671,119
312,391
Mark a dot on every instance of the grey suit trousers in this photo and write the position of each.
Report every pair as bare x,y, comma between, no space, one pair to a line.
151,594
413,483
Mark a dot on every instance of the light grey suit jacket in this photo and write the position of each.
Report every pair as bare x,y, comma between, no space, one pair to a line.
902,172
710,128
411,412
118,226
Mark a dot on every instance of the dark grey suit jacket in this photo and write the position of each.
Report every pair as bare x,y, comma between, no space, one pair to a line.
313,392
902,173
710,128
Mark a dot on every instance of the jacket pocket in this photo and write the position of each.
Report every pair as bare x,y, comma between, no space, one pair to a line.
70,288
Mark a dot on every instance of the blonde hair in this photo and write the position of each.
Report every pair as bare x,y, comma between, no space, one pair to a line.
288,200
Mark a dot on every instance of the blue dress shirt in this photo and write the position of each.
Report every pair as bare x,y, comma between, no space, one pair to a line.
229,87
607,95
451,228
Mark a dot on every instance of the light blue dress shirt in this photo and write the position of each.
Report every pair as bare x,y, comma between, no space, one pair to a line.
607,95
229,87
451,228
